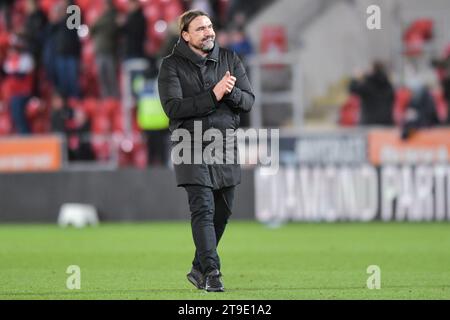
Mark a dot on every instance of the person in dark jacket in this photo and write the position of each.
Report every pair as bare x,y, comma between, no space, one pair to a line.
420,113
105,32
201,84
74,125
35,24
49,45
134,31
377,96
34,33
444,66
6,8
18,68
68,55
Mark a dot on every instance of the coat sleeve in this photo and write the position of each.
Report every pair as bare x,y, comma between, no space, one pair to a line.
241,97
171,94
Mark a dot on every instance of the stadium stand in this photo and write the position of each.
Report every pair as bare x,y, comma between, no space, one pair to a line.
106,118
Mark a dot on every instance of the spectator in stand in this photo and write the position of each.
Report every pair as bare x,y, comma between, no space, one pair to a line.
443,65
377,96
223,38
247,7
68,54
105,32
18,68
56,13
6,10
61,113
74,125
240,43
35,24
134,31
170,41
421,110
80,148
152,120
4,43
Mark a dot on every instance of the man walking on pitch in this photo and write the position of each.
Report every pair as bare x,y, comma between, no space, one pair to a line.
202,84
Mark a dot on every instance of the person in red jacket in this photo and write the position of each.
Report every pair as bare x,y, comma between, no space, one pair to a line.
18,68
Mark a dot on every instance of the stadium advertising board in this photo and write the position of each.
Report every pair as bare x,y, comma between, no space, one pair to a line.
340,147
423,147
28,154
400,180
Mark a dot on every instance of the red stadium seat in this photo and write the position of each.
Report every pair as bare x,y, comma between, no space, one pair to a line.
40,125
110,106
172,11
89,75
101,124
34,108
75,103
20,6
121,5
5,124
350,111
4,44
133,152
84,4
152,12
101,147
273,39
5,121
91,16
47,5
88,55
38,116
118,122
140,158
422,27
415,37
441,105
90,106
402,98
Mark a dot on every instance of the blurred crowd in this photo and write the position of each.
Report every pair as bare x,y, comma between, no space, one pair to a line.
73,81
419,99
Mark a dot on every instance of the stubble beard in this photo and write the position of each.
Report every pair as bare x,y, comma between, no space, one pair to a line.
206,46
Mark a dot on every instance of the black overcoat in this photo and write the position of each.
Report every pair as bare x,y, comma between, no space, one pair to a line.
185,83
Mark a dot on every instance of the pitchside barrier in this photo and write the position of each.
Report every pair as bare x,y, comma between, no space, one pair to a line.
118,195
338,175
358,175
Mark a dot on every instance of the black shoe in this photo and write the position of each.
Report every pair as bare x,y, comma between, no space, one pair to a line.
196,278
214,281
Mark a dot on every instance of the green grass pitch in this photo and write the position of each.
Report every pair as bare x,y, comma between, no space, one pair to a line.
296,261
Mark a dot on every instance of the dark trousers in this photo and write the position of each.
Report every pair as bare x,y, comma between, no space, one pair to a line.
67,70
210,211
18,111
107,74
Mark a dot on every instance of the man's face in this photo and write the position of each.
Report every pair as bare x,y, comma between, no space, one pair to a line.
200,34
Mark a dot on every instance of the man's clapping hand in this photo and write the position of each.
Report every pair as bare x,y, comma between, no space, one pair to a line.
224,86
